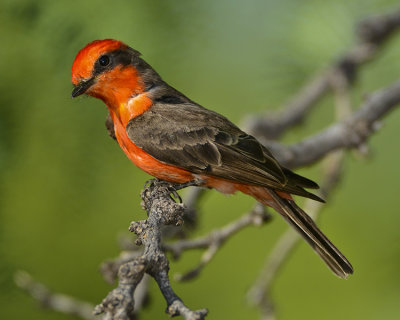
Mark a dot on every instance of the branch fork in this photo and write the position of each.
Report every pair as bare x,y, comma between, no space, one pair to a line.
161,210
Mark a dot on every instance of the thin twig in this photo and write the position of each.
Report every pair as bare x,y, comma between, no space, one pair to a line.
213,241
55,301
349,133
372,33
109,268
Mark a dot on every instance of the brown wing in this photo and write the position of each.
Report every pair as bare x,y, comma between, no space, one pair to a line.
199,140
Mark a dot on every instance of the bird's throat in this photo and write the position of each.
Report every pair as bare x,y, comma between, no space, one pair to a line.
134,107
123,91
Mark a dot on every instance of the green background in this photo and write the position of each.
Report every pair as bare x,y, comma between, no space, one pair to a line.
67,190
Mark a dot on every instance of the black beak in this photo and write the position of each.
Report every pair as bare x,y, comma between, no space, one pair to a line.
82,87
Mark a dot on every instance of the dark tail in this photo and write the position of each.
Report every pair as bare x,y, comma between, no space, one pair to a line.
296,217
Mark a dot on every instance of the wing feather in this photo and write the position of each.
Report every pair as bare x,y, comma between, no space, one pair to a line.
193,138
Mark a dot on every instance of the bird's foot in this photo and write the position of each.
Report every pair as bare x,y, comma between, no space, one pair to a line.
172,187
191,183
153,182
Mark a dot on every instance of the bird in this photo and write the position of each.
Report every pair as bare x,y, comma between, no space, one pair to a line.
174,139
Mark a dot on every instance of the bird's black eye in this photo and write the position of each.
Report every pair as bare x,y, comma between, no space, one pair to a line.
104,61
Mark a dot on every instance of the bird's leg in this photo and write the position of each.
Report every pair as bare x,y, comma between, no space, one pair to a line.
152,182
173,187
191,183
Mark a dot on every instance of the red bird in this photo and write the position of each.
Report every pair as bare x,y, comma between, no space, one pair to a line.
174,139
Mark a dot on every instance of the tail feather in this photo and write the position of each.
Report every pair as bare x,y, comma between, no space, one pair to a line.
299,180
296,217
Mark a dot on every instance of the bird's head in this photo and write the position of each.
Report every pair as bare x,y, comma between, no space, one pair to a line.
111,71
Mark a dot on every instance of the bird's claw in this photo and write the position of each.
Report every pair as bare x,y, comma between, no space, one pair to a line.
191,183
168,186
150,182
172,187
174,193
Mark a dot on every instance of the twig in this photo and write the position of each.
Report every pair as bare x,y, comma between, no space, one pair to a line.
273,125
349,133
161,210
372,33
109,268
215,240
55,301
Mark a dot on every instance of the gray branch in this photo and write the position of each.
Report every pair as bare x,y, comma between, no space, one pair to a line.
55,301
162,210
349,133
213,241
372,33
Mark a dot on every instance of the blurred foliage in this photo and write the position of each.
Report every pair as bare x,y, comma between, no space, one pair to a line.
67,190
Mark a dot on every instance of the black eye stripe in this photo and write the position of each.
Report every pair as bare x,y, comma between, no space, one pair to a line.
111,59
